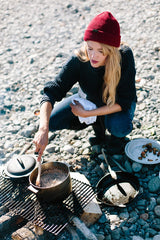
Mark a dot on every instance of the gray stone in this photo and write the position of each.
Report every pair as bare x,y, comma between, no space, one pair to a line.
50,148
28,131
108,237
124,215
157,210
158,200
116,234
128,166
157,237
137,238
152,232
100,237
154,184
136,167
68,148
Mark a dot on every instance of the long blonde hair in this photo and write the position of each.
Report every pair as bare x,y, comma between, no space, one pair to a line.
112,70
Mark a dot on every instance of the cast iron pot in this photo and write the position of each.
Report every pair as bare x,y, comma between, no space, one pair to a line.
107,182
19,167
52,193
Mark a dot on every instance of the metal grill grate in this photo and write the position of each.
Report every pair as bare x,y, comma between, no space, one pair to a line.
51,217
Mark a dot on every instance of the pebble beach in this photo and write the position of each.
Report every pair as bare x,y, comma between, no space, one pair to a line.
37,37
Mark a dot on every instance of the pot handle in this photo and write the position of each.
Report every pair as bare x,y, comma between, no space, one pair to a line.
32,189
4,175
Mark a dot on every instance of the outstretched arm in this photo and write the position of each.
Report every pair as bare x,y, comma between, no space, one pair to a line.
41,137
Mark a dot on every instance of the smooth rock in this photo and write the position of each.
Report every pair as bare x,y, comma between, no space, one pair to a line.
136,167
154,184
157,210
157,237
137,238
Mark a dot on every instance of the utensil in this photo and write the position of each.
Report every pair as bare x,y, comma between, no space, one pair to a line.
38,180
113,174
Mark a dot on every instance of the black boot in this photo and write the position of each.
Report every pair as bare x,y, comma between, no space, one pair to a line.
116,145
97,141
99,130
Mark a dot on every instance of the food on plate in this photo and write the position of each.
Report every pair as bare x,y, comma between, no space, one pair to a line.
149,149
143,154
145,151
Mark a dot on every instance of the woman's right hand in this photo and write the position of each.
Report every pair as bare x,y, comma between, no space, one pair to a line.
41,141
41,137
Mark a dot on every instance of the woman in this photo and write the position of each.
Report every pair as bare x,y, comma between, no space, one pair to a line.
105,72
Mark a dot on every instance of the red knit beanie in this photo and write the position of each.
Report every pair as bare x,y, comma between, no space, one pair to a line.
104,28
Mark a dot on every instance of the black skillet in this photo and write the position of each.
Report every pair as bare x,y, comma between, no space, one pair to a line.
107,181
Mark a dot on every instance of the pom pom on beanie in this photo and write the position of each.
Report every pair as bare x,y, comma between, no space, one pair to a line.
104,28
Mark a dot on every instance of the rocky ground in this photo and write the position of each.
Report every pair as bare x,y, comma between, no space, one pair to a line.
37,37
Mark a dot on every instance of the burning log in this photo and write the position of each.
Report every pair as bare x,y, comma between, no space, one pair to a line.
9,221
28,232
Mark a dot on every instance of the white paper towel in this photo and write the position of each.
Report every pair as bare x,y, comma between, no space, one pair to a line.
88,105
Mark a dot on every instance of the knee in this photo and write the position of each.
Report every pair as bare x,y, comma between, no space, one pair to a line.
121,130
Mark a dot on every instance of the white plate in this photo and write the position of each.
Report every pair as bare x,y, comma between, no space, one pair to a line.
134,148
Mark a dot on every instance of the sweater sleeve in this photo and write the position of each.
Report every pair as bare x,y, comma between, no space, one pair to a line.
126,90
56,90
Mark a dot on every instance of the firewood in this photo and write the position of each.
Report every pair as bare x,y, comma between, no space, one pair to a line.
84,229
92,212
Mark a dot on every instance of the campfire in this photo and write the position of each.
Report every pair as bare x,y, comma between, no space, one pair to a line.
51,217
46,213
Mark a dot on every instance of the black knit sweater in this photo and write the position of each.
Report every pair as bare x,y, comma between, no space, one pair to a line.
91,79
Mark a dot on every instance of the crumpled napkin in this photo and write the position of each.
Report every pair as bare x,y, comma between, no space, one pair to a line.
88,105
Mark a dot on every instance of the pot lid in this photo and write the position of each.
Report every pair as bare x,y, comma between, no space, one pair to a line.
20,166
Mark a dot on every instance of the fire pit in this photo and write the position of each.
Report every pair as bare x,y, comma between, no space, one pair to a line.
52,217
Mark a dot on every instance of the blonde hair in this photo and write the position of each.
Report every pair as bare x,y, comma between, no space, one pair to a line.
112,70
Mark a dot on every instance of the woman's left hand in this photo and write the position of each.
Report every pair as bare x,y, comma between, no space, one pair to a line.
77,109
